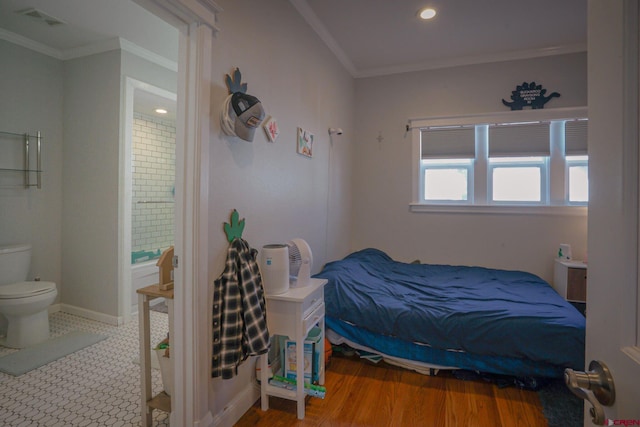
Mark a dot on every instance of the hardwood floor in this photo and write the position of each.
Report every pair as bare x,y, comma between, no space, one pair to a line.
360,393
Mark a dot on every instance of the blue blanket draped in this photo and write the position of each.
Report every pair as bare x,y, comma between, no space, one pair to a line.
480,311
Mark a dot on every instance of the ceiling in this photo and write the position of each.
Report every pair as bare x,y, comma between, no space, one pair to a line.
377,37
369,37
87,23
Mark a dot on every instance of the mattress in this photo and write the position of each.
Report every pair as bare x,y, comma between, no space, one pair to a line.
498,321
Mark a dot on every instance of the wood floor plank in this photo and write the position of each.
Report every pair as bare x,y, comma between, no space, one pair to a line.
520,407
360,393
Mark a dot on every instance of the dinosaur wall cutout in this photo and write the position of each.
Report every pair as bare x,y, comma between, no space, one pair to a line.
529,95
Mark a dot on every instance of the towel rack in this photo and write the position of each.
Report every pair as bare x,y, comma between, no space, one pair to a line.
26,167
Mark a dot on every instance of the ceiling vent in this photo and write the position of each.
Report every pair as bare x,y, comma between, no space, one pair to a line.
41,16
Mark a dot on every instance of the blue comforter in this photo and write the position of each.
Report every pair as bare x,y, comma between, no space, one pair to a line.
470,309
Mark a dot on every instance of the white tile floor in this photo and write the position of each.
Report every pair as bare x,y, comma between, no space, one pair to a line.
96,386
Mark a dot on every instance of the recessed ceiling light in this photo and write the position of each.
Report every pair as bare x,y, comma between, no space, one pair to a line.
161,111
427,13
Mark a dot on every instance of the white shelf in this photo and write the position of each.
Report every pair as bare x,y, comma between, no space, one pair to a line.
293,314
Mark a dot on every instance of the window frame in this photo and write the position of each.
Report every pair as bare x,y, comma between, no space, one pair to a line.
556,200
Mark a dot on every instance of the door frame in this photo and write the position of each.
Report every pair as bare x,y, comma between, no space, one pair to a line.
196,22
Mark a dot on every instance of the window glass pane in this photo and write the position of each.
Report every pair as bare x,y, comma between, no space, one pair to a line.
445,184
517,184
578,183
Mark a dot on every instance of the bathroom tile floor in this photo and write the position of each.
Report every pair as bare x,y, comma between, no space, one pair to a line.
96,386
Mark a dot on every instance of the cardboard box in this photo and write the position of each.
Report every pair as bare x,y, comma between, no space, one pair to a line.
311,357
290,361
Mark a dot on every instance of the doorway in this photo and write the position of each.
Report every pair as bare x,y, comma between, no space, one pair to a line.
148,166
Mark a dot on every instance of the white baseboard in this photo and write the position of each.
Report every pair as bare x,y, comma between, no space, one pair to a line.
54,308
206,421
237,407
90,314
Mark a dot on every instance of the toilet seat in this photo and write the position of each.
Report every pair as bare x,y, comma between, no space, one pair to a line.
26,289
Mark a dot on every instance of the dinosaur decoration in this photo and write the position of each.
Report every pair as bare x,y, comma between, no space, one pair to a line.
235,228
529,95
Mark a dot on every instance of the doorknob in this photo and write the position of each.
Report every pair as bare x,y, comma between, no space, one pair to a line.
596,386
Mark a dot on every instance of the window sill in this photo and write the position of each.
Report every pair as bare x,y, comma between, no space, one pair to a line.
499,209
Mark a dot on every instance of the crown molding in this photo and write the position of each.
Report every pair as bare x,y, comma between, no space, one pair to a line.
122,44
27,43
90,49
314,22
475,59
141,52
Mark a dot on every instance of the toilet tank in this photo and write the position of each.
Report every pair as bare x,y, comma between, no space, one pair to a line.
14,263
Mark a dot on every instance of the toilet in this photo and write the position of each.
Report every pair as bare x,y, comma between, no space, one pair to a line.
24,314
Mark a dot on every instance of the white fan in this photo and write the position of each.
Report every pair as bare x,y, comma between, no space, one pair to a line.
300,263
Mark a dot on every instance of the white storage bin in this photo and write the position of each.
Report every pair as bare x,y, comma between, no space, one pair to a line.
165,371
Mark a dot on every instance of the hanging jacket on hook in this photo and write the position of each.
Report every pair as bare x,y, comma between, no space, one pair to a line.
239,311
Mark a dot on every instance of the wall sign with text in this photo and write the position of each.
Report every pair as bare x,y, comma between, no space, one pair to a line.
529,95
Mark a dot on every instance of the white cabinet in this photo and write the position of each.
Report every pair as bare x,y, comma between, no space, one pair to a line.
570,280
293,314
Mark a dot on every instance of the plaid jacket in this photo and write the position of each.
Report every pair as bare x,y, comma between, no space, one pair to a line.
239,311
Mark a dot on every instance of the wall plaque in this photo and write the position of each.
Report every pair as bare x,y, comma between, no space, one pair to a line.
529,95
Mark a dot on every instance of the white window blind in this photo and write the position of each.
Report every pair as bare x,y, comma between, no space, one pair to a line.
519,140
575,137
448,143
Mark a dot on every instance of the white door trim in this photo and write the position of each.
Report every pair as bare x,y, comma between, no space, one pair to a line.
195,19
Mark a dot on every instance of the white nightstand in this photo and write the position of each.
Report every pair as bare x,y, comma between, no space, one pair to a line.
570,280
293,314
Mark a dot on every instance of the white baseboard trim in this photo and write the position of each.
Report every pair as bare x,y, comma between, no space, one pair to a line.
237,407
206,421
54,308
90,314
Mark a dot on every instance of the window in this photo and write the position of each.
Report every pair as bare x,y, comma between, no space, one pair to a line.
518,154
517,179
488,160
447,163
577,161
577,179
447,180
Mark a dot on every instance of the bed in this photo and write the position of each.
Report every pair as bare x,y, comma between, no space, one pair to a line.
430,317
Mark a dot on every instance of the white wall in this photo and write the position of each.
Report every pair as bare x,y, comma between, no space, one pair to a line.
383,181
76,105
31,101
281,194
90,182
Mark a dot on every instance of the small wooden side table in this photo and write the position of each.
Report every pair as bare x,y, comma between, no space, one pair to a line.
162,400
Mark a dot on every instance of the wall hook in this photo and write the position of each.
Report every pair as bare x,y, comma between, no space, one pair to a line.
235,228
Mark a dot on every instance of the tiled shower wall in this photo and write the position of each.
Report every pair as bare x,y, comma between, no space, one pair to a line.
153,166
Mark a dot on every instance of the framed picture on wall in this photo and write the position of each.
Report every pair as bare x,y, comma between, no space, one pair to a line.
305,143
270,127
